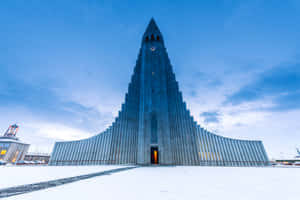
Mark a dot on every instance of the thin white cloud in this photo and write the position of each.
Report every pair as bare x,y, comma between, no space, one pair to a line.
57,131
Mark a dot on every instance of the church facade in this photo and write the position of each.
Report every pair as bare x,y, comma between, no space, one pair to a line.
154,125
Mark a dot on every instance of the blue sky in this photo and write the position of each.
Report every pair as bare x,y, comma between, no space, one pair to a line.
65,66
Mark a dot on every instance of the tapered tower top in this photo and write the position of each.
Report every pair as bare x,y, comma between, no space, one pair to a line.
152,32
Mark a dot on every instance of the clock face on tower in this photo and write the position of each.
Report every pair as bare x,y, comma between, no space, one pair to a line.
152,48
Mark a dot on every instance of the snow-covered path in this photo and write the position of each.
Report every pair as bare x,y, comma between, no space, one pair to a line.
19,175
163,183
22,189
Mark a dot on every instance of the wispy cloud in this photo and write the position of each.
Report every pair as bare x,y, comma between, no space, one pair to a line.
57,131
279,85
211,117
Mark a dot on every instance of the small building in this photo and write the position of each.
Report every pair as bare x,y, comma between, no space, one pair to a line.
290,161
11,148
42,158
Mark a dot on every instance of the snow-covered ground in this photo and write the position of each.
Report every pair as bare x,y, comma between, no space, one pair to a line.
20,175
184,183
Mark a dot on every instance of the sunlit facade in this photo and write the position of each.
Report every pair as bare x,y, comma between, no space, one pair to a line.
154,125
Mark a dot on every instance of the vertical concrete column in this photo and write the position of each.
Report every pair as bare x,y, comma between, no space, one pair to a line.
242,153
249,153
255,158
220,150
72,151
98,148
237,152
231,159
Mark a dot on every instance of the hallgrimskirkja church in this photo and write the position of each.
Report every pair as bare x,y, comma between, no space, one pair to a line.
154,125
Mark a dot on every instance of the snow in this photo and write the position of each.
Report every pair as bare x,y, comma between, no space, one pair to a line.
163,183
20,175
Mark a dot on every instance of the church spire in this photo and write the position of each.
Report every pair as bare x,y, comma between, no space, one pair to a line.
152,32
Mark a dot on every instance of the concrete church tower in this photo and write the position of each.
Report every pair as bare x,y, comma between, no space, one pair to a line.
155,127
